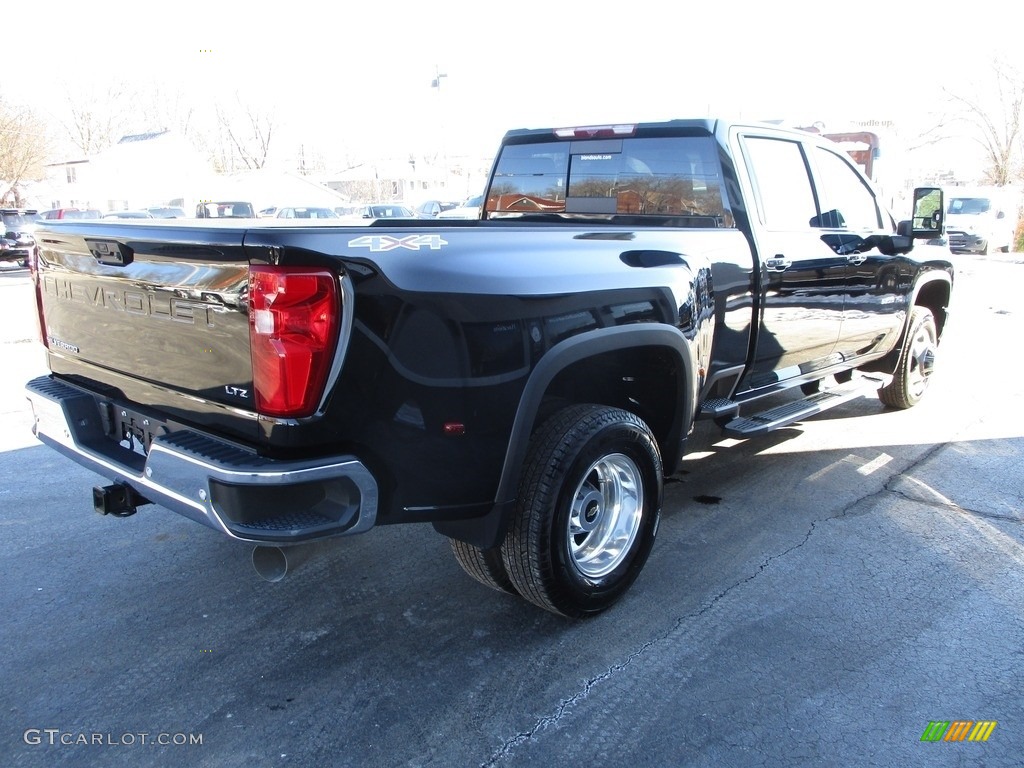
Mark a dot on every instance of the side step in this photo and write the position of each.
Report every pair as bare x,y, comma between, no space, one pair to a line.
798,410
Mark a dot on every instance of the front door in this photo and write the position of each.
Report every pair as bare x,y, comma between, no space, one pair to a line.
802,276
878,284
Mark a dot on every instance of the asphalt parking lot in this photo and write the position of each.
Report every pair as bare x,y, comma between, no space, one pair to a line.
815,597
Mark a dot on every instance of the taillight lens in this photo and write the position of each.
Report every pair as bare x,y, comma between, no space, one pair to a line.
293,331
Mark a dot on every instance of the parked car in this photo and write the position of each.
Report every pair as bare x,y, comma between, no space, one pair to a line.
129,215
310,212
268,213
431,208
386,211
225,209
16,234
470,209
167,212
72,213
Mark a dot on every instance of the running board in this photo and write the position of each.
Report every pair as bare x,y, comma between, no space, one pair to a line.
789,413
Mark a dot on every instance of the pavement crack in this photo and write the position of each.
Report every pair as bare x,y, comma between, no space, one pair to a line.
953,507
564,707
937,501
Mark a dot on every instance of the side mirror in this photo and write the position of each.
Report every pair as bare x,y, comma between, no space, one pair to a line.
927,218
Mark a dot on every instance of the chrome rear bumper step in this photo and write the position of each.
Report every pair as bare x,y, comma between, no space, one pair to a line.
208,479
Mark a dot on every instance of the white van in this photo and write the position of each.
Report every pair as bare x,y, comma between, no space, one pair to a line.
979,220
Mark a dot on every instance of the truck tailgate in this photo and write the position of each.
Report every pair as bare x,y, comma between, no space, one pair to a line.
156,312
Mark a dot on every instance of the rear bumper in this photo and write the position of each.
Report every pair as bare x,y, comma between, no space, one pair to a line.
212,481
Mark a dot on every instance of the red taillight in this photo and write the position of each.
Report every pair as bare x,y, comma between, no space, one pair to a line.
293,330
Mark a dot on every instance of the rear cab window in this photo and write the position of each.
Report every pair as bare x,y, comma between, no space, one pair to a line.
676,181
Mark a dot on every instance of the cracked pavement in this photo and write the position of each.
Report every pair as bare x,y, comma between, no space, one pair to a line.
839,585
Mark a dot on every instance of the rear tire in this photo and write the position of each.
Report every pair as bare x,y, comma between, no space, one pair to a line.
587,512
484,565
917,362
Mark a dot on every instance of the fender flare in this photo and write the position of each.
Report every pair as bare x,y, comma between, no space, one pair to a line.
938,274
927,279
489,530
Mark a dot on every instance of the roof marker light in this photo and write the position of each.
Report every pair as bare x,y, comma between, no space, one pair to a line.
596,131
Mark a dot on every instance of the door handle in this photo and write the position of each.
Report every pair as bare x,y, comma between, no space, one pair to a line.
856,258
778,264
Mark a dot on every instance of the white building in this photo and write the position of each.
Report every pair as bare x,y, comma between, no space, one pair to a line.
139,171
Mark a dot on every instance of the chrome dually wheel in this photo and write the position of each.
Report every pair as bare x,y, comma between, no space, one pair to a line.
605,516
587,511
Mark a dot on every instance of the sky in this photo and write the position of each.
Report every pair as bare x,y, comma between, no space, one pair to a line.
359,75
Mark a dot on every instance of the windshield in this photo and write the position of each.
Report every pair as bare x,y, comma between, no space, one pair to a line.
969,205
677,177
226,209
308,213
16,221
390,212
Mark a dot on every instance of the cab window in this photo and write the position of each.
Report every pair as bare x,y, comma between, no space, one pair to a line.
676,178
846,200
779,171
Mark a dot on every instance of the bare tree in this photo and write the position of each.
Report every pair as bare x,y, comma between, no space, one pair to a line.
23,149
171,110
96,118
246,133
994,115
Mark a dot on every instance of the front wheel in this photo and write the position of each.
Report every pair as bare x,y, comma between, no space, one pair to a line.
588,510
917,362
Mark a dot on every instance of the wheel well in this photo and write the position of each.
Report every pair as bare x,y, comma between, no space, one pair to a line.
644,380
935,296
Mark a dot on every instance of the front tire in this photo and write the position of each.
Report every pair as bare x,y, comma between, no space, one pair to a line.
587,512
917,362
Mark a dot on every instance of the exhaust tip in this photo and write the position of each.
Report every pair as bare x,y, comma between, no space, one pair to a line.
271,563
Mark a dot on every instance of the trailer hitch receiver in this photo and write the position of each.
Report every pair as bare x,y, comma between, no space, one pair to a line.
119,500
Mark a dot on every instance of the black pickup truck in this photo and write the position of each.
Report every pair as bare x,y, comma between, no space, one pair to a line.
523,382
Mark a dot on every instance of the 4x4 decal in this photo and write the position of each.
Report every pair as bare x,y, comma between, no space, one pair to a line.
389,243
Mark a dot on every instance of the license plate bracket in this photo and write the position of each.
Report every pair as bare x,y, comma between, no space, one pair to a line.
131,429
